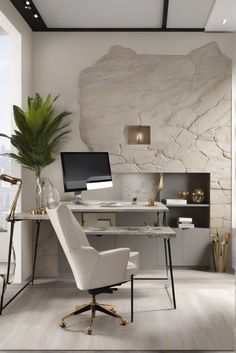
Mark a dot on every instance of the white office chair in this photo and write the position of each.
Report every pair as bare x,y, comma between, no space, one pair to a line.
96,272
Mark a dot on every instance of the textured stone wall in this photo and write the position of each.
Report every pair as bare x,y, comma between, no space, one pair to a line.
185,99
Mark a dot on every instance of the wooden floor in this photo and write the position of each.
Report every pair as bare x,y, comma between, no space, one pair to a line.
204,319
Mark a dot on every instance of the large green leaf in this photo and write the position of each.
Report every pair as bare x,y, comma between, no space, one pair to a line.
40,132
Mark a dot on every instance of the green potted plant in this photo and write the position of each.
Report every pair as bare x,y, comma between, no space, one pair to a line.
40,132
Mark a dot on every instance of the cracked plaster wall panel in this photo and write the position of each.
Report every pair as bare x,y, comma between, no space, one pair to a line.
220,197
225,183
102,147
185,99
218,210
209,148
116,159
212,119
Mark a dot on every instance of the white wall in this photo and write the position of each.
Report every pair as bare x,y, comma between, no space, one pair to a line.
22,85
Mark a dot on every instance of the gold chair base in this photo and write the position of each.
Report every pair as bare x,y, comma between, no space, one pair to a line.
94,306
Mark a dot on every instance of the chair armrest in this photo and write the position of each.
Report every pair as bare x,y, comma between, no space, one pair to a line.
114,251
83,264
111,267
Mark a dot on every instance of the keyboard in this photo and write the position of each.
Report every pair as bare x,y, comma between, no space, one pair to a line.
110,204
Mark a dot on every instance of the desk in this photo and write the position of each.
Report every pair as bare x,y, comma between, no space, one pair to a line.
164,232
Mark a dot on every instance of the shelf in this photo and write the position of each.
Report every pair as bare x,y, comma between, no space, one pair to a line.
189,205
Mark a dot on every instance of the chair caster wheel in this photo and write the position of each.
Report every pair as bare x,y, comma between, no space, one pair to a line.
89,331
62,324
124,322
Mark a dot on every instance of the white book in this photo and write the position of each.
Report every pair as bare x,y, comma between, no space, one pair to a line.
186,225
185,220
176,202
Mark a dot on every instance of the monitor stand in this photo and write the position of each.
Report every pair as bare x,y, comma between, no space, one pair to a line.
80,201
78,198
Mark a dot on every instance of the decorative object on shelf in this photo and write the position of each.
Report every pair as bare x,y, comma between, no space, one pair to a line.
182,194
176,202
151,203
198,195
160,184
40,133
159,187
185,222
134,200
220,247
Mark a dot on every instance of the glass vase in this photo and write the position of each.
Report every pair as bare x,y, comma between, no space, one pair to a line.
50,194
46,194
39,193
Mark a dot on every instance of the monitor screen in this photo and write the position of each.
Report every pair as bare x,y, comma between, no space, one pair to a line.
86,170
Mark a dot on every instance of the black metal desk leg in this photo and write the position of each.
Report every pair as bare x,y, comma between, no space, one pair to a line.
132,298
35,249
166,260
10,250
2,295
164,223
171,273
6,279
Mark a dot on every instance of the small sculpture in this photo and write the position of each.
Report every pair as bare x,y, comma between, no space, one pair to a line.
151,203
198,195
160,184
134,200
182,194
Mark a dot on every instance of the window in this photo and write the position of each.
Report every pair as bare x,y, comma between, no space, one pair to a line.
5,125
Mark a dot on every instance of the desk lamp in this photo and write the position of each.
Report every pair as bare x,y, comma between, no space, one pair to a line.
13,181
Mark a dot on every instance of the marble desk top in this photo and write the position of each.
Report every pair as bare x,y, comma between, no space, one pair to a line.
150,231
75,208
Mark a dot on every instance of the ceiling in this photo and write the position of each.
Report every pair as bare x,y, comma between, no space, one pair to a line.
129,15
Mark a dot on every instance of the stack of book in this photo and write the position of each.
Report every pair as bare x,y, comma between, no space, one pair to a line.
176,201
185,222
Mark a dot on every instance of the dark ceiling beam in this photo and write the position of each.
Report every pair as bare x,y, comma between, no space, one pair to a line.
38,24
28,12
165,14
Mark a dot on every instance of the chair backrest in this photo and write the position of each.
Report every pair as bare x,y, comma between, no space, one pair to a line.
73,241
70,231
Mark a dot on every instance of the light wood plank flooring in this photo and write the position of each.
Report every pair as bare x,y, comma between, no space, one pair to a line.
204,319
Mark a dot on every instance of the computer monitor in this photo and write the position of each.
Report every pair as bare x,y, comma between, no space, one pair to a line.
85,171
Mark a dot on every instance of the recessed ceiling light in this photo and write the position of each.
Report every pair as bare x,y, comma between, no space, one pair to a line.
27,2
224,21
36,16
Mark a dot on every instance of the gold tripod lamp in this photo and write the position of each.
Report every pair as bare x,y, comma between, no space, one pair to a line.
13,181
